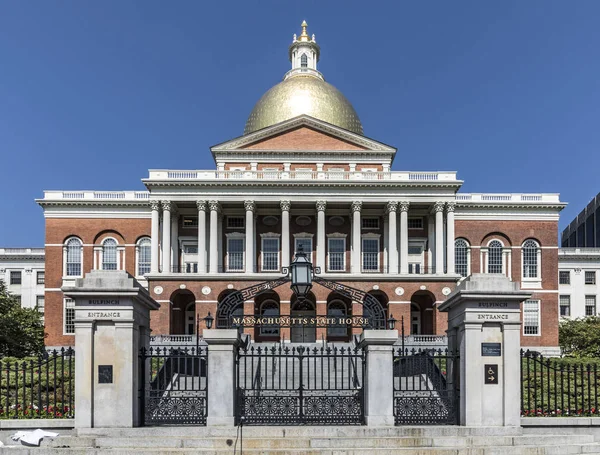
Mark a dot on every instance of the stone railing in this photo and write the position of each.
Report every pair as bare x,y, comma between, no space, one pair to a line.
511,197
22,251
578,251
166,340
431,341
98,195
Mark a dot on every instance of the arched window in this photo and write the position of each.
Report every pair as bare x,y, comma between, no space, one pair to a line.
461,257
269,309
304,61
338,310
73,257
109,254
530,251
143,256
495,257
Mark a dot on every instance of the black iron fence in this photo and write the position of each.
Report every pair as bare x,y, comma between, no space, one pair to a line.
557,387
38,388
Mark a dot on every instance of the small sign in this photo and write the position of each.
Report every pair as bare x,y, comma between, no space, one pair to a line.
105,374
491,374
491,349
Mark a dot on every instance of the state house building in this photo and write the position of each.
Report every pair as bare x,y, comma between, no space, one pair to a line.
303,174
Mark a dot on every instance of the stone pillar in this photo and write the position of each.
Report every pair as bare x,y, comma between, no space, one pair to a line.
321,205
154,234
112,324
166,239
174,241
379,380
392,208
484,327
450,237
222,346
214,234
201,205
250,208
404,237
355,266
285,233
438,209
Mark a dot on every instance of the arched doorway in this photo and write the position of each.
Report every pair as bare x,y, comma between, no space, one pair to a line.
383,302
183,313
223,321
304,310
339,307
266,306
421,313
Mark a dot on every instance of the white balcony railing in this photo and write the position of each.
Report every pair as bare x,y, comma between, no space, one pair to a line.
510,197
98,195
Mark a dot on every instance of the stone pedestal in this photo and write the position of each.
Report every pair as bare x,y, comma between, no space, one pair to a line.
379,379
112,320
484,327
222,346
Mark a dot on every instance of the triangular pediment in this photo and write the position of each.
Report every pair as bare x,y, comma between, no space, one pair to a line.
303,133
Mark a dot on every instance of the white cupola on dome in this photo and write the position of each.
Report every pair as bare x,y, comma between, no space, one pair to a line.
304,54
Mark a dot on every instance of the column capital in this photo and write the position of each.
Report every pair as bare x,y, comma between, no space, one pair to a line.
450,206
404,205
321,205
249,206
167,206
285,206
214,206
438,207
201,206
391,206
155,205
356,206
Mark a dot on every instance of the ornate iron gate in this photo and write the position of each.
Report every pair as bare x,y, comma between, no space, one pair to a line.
425,387
300,385
174,385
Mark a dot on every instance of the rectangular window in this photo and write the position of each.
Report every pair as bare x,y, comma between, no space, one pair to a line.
40,303
235,222
270,254
306,243
18,298
189,222
565,305
235,255
590,277
370,255
590,305
337,254
564,277
415,223
531,317
15,277
41,277
69,316
370,223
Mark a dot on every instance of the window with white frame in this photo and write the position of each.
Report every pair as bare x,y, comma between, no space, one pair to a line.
303,61
235,222
590,277
590,305
336,254
69,317
40,303
235,254
270,254
144,251
370,223
306,244
415,223
530,258
73,257
565,305
495,257
415,257
461,257
531,317
564,277
15,277
41,277
109,254
370,254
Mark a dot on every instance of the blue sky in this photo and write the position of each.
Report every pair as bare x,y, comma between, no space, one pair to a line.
95,93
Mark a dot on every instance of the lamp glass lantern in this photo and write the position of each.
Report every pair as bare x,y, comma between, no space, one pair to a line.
302,272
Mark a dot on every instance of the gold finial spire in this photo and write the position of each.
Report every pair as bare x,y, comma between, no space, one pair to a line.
304,36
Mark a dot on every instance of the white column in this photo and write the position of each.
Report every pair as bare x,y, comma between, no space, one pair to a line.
392,208
213,249
321,205
174,240
166,239
438,209
250,259
450,237
404,237
201,236
154,233
285,233
355,267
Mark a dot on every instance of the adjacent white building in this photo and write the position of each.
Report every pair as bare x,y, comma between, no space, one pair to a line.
578,272
22,269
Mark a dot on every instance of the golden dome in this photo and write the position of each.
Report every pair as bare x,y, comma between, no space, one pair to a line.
303,94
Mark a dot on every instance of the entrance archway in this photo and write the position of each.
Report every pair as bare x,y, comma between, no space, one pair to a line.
421,313
183,313
266,305
305,309
340,307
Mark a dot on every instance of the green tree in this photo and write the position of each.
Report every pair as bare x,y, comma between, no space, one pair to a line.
580,337
21,329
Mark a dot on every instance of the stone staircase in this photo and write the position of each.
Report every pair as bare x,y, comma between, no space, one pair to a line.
441,440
